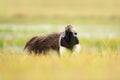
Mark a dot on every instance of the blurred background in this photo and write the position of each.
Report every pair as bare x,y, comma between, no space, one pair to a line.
61,11
97,21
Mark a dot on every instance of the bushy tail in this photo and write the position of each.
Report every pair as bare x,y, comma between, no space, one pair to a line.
29,42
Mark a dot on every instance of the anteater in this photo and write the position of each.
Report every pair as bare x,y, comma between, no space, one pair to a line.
56,41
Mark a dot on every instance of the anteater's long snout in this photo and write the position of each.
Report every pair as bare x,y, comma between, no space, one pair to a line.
69,28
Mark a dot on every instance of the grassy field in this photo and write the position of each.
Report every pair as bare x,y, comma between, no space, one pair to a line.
98,26
64,8
99,58
17,66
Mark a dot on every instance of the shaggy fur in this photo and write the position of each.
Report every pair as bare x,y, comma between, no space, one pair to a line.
41,44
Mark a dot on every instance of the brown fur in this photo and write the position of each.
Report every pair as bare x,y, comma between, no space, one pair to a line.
41,44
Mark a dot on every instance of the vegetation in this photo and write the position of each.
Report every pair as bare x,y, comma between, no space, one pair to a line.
63,11
99,57
98,25
17,66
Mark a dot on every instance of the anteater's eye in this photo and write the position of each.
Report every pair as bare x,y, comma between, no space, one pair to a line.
75,33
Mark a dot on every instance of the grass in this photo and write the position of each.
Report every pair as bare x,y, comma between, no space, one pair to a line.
52,11
17,66
99,58
21,8
93,37
98,25
59,21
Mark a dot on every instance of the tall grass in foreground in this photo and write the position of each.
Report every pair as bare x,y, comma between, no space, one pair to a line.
18,66
99,58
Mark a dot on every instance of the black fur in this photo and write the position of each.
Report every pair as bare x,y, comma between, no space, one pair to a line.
69,40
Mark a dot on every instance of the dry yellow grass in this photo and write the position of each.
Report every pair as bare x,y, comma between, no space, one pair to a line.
16,66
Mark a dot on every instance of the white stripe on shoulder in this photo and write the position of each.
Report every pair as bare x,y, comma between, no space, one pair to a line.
77,49
62,50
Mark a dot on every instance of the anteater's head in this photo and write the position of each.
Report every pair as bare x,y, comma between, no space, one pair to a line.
69,38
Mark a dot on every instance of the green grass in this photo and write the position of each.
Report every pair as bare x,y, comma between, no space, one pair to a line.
57,21
16,35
